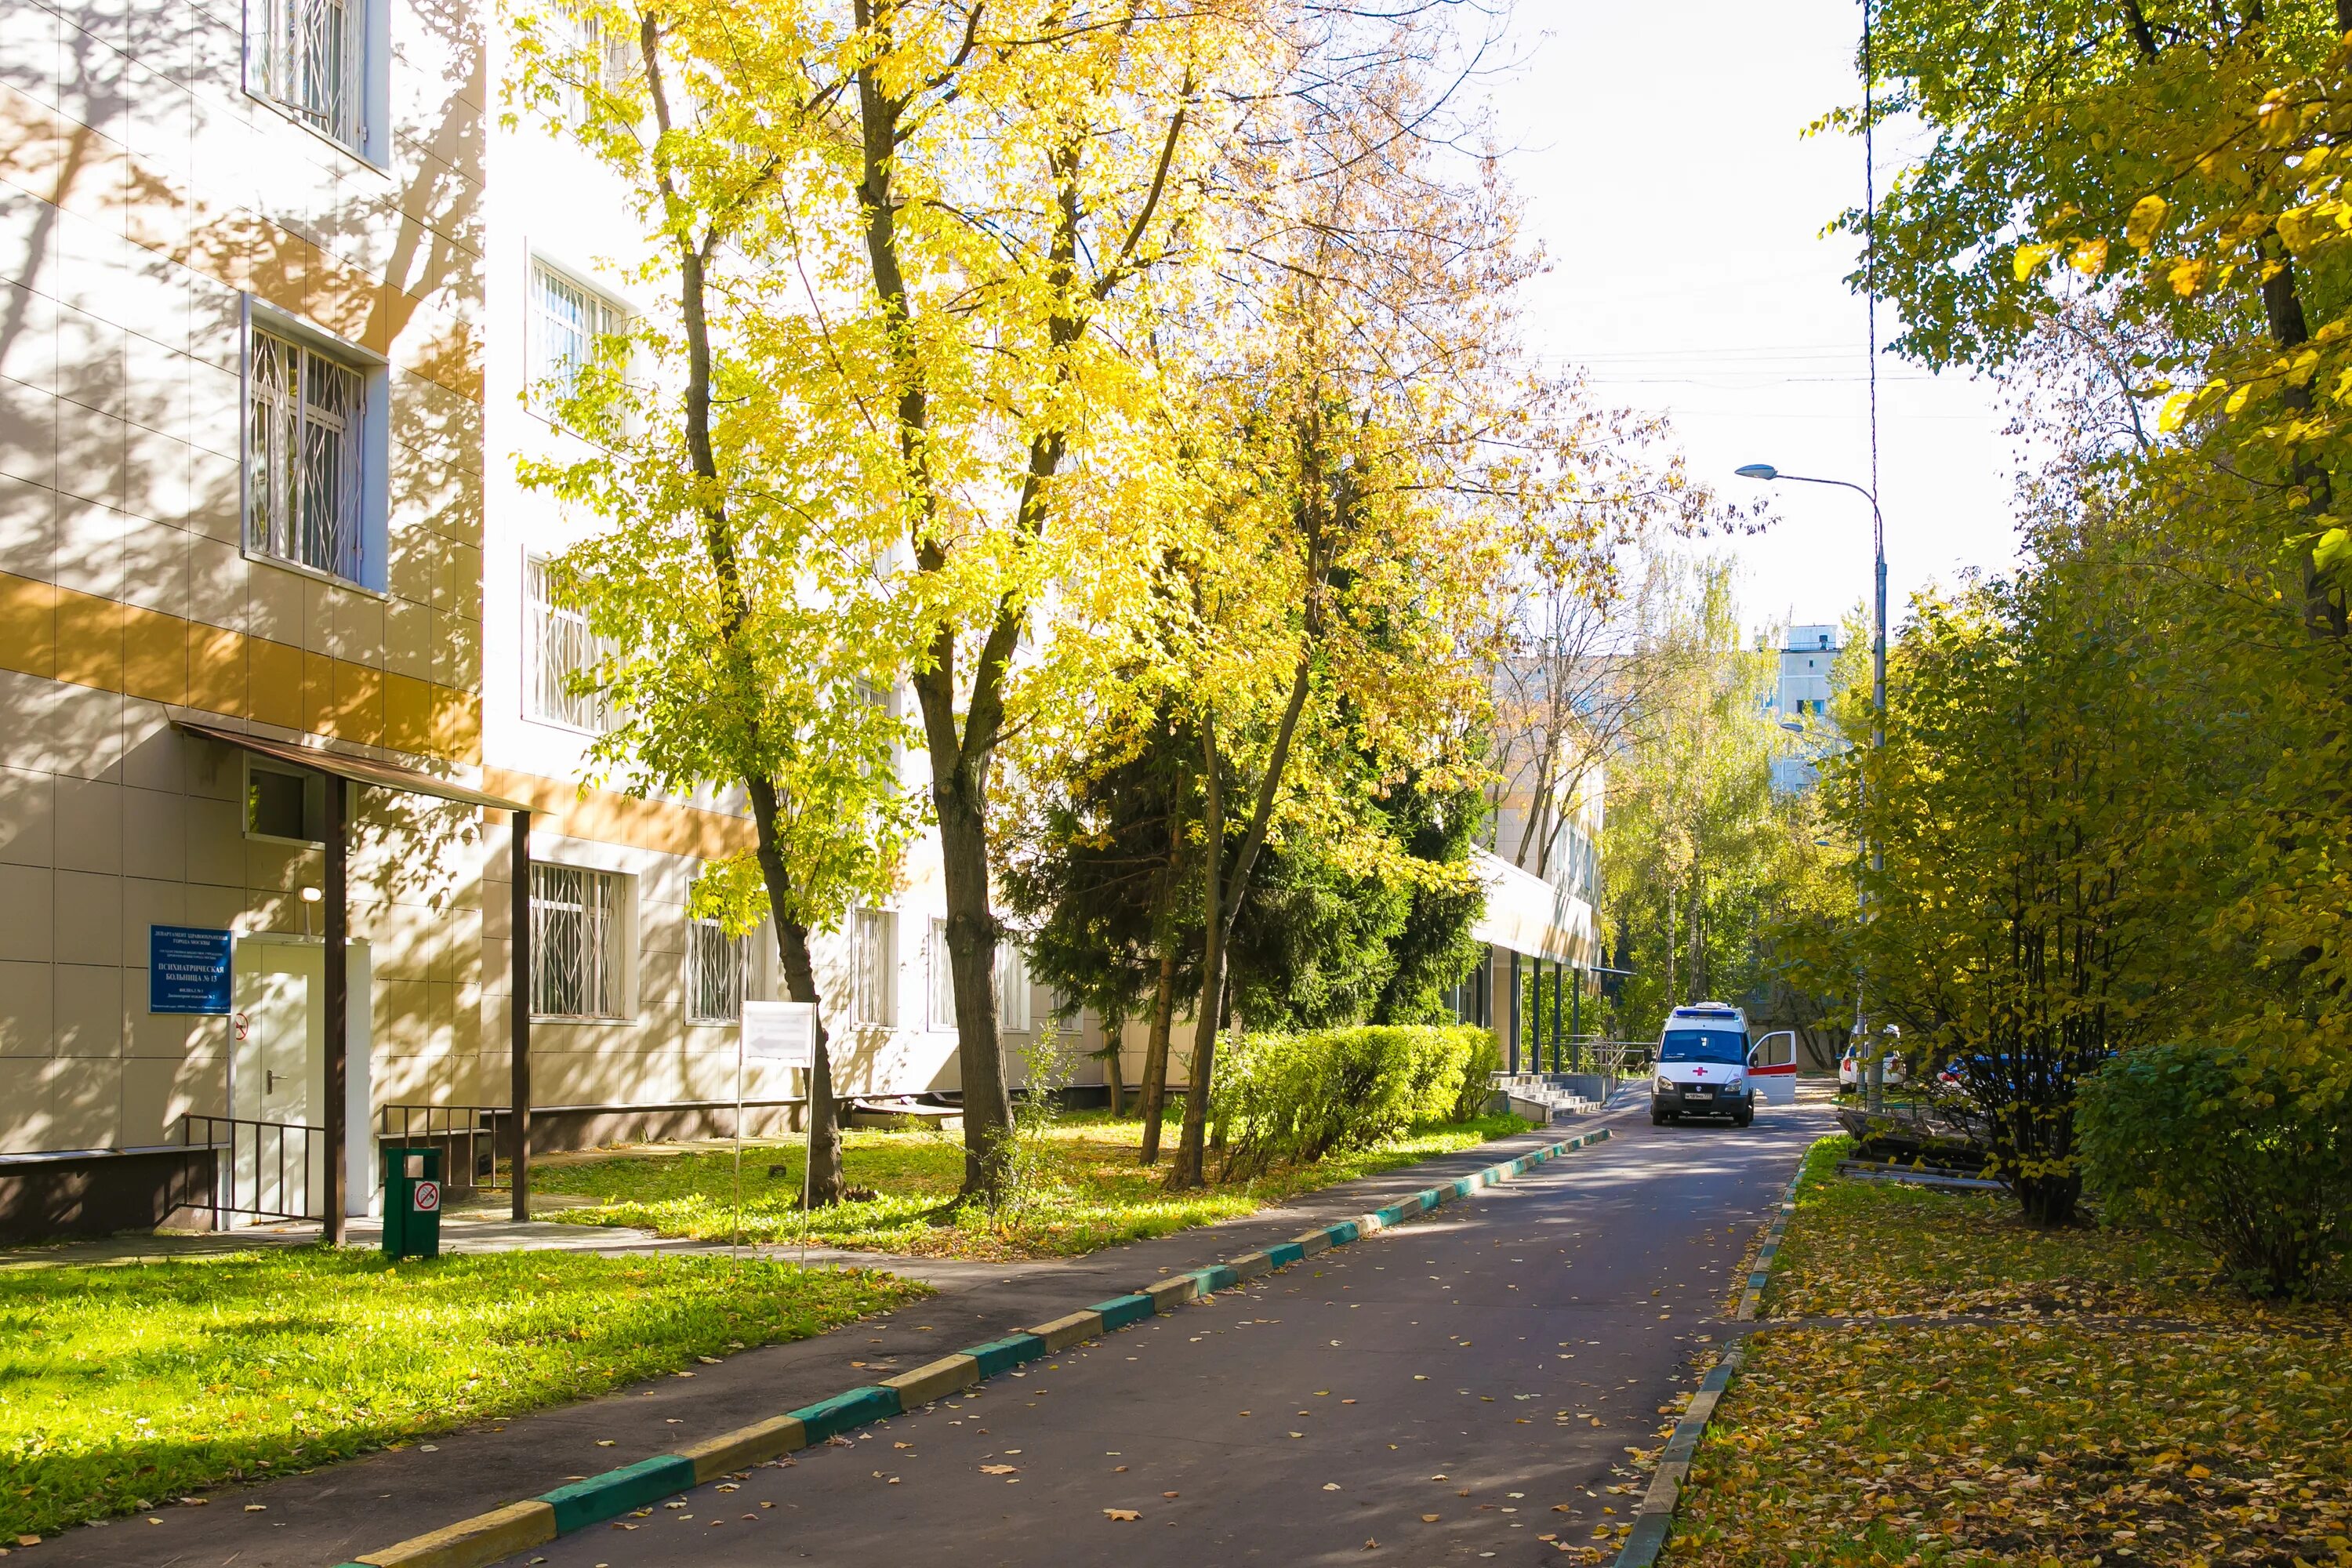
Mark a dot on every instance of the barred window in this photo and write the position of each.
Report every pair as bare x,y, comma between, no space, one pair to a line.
557,647
942,972
1012,989
570,329
575,942
873,964
308,56
610,51
715,967
304,458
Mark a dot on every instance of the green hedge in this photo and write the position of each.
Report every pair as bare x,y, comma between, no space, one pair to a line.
2228,1149
1292,1098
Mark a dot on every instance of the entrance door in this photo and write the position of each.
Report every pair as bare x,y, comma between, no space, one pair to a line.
278,1078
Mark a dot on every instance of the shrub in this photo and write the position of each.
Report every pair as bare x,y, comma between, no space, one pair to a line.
2224,1149
1291,1098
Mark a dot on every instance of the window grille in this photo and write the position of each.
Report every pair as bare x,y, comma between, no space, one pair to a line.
303,461
575,942
874,941
715,967
1012,990
307,55
611,51
939,1004
557,645
569,324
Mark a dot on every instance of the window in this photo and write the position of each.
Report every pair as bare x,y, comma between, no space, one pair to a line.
874,966
1012,989
941,972
575,942
611,51
715,967
303,463
557,647
286,806
568,326
307,57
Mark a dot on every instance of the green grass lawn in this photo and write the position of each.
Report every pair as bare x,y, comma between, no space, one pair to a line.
2121,1408
1086,1190
124,1387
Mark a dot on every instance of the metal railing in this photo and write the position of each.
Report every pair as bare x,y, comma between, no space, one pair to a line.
263,1169
471,1138
1617,1060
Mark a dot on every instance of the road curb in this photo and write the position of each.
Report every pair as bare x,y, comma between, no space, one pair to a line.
487,1538
1654,1520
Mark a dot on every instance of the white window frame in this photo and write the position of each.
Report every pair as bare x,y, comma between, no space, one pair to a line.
874,967
550,333
615,56
307,474
712,955
938,989
600,902
1012,1014
324,65
556,644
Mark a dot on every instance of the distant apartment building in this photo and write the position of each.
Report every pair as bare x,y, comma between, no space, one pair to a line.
280,285
1802,696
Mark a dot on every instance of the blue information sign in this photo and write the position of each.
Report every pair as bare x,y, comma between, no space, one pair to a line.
187,970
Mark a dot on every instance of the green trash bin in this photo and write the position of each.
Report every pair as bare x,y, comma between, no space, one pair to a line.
412,1202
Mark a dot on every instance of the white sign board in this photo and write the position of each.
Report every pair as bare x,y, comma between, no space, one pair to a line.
783,1032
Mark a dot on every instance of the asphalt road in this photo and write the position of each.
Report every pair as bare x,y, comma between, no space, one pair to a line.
1452,1391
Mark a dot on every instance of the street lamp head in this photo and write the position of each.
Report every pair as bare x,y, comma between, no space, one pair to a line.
1756,471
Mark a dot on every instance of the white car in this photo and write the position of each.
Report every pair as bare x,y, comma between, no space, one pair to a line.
1853,1069
1703,1066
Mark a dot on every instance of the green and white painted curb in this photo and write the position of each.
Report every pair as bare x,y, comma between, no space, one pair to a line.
1655,1518
487,1537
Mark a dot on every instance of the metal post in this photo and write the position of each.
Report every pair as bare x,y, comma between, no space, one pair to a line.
518,1011
1575,1019
1559,983
334,894
1514,1012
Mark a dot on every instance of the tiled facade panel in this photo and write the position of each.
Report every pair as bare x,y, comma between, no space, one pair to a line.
145,194
150,209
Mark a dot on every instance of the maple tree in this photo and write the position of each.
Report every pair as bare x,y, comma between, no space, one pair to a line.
729,585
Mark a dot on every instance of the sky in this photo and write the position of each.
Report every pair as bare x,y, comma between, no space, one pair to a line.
1658,149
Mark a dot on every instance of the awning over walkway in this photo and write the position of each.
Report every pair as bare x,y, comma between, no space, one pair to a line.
1525,914
359,770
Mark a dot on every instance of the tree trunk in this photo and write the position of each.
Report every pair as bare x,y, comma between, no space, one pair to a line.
1220,910
825,1179
1674,908
1187,1170
719,545
1153,1105
1113,1067
1698,938
972,960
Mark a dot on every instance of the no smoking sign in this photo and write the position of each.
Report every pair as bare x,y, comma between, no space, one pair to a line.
428,1197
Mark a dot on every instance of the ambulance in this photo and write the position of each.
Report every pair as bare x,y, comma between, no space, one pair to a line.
1703,1066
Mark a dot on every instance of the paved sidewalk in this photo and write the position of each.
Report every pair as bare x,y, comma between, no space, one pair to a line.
329,1515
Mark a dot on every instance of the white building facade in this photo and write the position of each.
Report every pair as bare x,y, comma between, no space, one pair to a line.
279,283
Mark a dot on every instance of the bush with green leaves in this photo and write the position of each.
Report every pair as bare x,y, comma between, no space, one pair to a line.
1291,1098
2218,1145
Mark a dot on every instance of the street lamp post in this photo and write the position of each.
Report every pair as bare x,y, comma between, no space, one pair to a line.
1766,473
